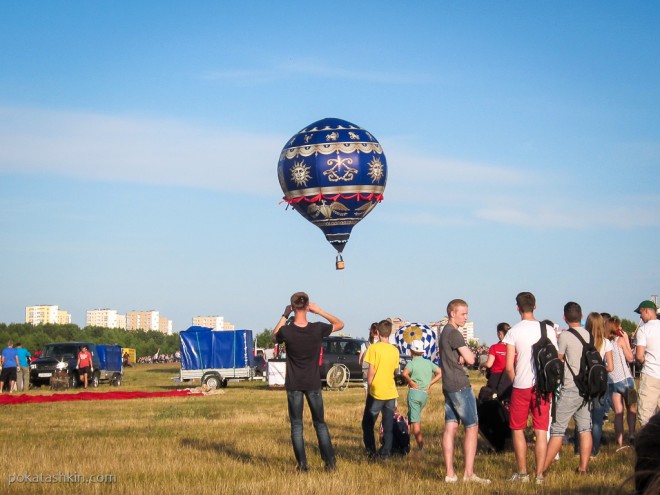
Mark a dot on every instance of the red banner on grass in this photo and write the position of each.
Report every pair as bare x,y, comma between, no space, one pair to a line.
25,398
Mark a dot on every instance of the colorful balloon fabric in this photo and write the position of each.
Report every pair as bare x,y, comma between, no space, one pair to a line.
405,335
333,173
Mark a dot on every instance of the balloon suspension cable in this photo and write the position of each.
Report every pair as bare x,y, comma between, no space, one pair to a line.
339,263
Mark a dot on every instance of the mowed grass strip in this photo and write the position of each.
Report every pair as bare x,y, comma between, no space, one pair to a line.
239,442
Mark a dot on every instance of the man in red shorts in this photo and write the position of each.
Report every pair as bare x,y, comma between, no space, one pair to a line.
520,367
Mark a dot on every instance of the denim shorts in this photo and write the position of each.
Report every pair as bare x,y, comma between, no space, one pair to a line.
621,387
461,407
570,404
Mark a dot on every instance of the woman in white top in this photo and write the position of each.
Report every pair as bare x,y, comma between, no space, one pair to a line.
596,326
622,381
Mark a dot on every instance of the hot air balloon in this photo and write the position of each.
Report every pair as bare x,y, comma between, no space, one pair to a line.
333,173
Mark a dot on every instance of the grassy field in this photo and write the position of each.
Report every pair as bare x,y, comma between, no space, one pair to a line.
238,443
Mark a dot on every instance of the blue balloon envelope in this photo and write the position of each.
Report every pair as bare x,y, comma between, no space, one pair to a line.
333,173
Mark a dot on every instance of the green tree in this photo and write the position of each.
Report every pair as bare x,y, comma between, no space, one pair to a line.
265,338
628,326
35,337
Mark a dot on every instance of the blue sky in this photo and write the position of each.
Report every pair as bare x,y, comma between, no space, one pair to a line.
139,144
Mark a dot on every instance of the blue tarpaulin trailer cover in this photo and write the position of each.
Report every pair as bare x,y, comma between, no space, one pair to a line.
110,357
203,348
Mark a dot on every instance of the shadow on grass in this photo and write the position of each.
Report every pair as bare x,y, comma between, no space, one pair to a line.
226,450
168,370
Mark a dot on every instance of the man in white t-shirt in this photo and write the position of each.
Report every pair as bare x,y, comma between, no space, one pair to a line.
648,354
520,368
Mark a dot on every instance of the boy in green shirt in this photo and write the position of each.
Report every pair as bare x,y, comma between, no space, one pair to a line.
420,373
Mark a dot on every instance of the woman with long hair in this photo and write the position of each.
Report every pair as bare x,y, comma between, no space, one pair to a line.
622,384
596,327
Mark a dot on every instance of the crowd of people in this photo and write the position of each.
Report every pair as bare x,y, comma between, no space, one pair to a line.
551,390
160,358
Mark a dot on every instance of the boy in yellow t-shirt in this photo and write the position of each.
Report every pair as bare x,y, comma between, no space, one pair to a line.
383,360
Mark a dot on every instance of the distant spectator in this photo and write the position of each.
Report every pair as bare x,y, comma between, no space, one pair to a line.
23,369
498,379
9,363
84,364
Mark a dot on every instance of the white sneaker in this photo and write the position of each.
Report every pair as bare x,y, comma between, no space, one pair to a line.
520,478
475,479
451,479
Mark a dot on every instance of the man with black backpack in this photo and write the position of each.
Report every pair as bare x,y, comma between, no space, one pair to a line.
525,343
571,401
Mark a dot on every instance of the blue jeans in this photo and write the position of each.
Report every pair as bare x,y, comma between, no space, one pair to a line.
372,408
315,403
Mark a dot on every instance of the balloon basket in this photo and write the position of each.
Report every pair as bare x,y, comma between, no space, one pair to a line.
339,263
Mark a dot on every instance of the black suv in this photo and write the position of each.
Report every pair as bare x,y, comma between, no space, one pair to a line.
65,353
342,350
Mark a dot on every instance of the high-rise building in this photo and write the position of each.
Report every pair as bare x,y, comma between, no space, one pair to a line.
106,318
39,315
148,321
143,320
165,325
212,322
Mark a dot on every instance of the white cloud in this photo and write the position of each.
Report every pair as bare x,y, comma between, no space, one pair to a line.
314,69
632,213
436,190
136,149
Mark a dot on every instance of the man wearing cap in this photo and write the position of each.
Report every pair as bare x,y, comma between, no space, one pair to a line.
421,374
303,376
648,354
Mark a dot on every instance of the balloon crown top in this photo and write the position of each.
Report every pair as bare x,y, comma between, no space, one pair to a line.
328,131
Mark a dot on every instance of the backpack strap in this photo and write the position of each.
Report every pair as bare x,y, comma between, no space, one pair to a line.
582,341
544,331
579,337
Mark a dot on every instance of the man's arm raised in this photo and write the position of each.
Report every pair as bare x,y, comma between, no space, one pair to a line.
282,321
336,323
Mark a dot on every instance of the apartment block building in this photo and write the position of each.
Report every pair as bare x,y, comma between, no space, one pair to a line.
212,322
165,325
106,318
43,314
147,321
143,320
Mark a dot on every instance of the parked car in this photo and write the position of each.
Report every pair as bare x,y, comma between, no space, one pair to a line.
260,365
342,350
64,354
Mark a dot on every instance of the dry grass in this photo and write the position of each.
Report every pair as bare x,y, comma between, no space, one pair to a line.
238,443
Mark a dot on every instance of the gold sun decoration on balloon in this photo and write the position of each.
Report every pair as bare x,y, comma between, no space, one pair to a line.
300,173
376,169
